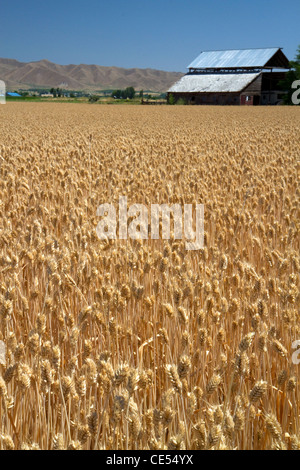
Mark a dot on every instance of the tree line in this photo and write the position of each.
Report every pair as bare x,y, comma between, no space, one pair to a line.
129,93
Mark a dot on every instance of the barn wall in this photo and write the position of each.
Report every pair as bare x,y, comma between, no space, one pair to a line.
265,90
208,98
255,86
251,95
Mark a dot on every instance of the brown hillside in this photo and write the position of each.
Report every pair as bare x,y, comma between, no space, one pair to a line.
82,77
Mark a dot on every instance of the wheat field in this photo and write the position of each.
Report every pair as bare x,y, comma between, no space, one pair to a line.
141,344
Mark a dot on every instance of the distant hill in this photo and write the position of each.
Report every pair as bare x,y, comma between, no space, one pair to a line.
45,74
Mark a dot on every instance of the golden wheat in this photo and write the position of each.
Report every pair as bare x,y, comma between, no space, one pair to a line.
141,344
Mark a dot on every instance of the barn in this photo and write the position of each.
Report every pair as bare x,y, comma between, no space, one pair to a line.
233,77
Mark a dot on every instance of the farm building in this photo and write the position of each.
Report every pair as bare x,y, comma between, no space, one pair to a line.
233,77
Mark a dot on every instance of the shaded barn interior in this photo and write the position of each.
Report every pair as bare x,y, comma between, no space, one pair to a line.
234,77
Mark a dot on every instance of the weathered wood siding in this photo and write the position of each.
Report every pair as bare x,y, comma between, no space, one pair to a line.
208,98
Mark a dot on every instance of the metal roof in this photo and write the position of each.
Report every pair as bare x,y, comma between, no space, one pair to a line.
234,58
213,83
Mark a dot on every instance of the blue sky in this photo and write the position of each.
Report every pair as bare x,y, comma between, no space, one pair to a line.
160,34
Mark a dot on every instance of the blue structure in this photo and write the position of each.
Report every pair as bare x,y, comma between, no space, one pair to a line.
14,95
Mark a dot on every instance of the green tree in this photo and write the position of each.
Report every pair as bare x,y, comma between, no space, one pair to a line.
116,94
129,92
292,75
171,99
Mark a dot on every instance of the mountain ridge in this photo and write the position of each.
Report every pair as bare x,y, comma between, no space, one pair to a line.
86,77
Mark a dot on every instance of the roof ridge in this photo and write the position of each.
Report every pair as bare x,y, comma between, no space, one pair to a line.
241,49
